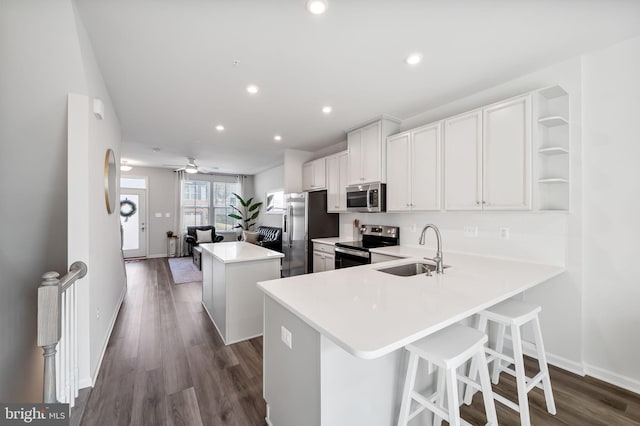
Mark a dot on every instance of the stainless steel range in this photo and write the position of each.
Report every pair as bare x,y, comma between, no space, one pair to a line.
356,253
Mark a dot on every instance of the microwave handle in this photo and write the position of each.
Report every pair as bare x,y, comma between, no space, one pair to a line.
369,199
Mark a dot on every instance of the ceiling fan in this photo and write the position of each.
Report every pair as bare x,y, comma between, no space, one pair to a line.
191,167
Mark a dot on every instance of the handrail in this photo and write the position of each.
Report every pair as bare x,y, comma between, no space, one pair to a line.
49,321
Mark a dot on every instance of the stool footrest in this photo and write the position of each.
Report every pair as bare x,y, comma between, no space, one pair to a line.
506,402
535,382
428,403
493,355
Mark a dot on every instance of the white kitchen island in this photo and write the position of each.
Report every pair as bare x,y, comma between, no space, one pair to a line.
229,293
345,364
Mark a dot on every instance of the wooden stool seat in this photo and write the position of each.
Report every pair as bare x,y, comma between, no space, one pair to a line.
448,349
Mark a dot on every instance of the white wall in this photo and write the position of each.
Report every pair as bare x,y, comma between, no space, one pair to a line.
105,281
265,181
41,63
611,94
161,198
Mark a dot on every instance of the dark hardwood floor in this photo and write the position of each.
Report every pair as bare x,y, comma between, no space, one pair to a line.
166,365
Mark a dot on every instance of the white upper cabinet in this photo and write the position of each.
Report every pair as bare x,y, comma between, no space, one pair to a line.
314,175
463,162
413,172
337,171
507,155
487,158
367,152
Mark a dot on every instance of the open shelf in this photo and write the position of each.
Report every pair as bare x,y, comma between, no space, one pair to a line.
553,180
553,92
553,121
553,150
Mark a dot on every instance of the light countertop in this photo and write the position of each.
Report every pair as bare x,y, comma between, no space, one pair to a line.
239,251
371,313
331,240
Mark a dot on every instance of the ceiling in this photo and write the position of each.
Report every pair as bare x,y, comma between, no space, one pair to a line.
171,72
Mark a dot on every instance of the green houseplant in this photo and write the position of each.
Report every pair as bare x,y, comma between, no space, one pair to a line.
246,215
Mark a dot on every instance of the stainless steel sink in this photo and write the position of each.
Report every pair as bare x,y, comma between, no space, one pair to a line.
411,269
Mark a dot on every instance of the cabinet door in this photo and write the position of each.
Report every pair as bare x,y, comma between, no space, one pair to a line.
425,160
343,166
507,155
398,172
319,174
354,143
333,184
463,162
371,153
329,262
307,177
318,261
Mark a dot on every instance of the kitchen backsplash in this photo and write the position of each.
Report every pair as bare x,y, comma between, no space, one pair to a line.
531,237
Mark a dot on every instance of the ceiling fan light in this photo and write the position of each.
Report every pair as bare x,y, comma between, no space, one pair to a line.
191,168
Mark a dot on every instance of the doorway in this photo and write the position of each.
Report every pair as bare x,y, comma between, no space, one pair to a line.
133,217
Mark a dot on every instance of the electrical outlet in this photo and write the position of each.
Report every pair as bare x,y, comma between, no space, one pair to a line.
413,227
504,233
286,336
471,231
98,313
158,215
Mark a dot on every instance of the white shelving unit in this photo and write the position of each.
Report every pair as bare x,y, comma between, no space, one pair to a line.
553,146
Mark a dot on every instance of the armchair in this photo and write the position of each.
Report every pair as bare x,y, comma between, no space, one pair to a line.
270,237
191,239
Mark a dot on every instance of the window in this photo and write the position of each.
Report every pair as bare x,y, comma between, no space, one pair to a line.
195,202
202,206
223,198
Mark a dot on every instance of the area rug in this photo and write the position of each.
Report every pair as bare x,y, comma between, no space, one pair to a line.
183,270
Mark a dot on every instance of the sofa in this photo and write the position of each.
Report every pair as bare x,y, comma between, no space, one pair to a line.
191,239
270,237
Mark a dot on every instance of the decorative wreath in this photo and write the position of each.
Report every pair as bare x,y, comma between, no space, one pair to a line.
127,208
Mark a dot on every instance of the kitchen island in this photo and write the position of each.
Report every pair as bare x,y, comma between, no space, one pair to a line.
229,294
333,345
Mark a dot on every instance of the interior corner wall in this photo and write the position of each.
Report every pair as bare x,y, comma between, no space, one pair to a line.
41,63
268,180
161,200
106,275
611,90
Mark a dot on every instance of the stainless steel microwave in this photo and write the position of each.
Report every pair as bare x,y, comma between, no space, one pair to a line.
367,198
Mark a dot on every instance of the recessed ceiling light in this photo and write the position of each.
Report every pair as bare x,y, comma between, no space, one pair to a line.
414,59
252,88
317,7
219,127
327,109
277,138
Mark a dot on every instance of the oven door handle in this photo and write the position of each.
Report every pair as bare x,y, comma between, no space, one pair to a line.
351,252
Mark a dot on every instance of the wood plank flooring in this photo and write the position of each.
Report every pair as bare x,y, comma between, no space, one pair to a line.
166,365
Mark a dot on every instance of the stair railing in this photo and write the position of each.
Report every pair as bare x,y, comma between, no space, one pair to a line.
57,323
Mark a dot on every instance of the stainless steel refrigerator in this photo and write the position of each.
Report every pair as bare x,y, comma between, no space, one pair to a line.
305,217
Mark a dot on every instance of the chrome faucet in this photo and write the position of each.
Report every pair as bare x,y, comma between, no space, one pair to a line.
438,258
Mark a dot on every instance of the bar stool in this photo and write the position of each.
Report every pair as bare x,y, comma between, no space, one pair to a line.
515,314
447,349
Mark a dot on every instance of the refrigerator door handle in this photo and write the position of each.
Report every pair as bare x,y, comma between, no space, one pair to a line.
284,223
291,230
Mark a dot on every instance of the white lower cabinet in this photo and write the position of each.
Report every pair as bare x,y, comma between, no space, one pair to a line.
323,257
414,169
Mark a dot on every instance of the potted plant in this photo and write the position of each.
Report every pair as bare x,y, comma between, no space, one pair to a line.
247,214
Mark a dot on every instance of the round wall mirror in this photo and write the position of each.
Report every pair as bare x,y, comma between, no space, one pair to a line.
110,181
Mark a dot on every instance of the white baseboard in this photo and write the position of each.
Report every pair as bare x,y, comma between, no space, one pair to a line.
156,256
613,378
112,323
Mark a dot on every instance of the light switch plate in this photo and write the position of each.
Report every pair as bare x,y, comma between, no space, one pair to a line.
158,214
286,336
471,231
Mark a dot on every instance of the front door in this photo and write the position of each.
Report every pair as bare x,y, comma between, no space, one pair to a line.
133,216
